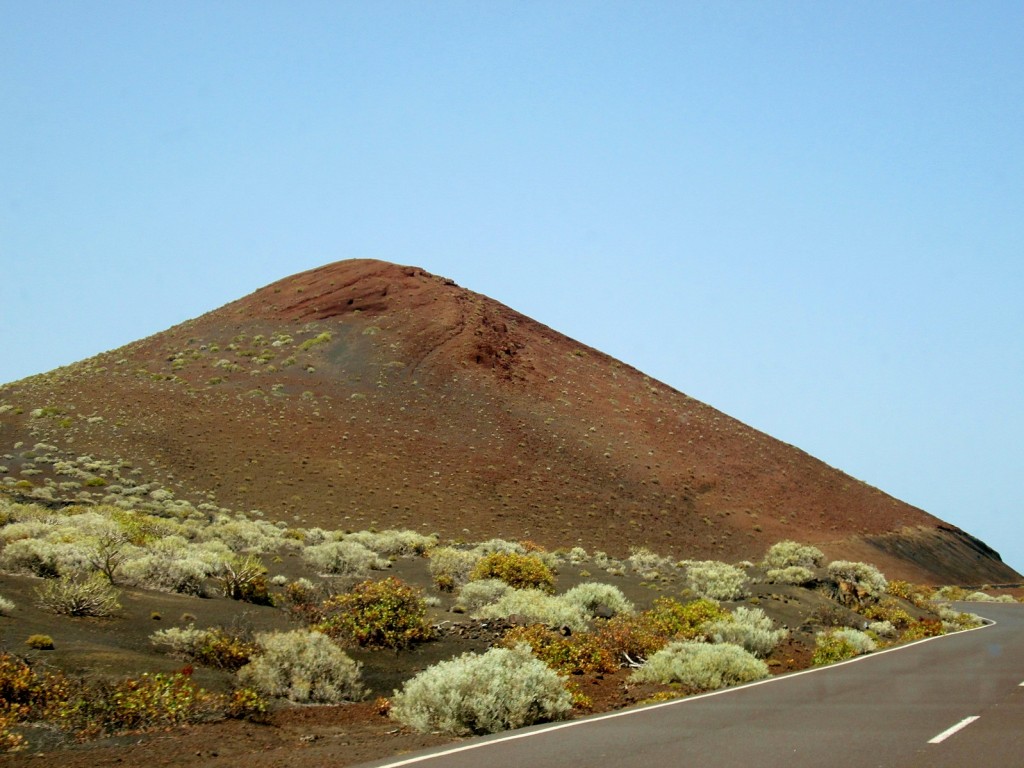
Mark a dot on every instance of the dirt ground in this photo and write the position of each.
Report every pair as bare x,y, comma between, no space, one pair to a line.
319,735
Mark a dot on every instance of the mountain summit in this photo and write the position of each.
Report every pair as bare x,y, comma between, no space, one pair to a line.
367,394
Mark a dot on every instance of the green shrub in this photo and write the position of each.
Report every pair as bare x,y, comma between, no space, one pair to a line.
39,557
685,621
145,702
378,614
857,584
887,609
517,570
701,666
93,596
308,344
748,628
788,554
575,654
304,667
40,642
840,644
482,693
594,599
95,708
716,581
637,636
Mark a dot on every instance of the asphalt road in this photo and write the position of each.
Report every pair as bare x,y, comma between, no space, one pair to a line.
893,708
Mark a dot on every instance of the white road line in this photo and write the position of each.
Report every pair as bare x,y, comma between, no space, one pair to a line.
950,731
541,730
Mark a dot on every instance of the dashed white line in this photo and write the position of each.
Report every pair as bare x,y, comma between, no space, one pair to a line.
950,731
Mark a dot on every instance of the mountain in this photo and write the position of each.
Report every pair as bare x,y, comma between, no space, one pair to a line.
367,394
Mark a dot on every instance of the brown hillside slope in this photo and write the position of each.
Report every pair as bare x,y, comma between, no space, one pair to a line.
369,394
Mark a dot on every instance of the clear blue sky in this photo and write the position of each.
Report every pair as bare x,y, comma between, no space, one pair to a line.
807,214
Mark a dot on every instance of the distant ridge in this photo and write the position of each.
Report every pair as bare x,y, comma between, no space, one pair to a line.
365,393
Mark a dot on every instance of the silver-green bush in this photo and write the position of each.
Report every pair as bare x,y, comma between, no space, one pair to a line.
700,665
304,667
476,594
181,641
748,628
715,580
450,567
343,558
884,629
394,543
482,693
788,554
861,642
792,574
595,599
857,583
92,596
535,607
648,564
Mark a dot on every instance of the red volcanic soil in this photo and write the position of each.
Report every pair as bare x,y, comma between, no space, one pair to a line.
369,394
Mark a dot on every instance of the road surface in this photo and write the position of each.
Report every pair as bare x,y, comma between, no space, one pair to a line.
953,701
